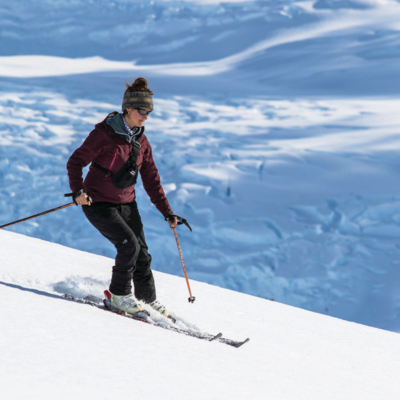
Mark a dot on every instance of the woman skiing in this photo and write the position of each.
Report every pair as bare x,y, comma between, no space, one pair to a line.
118,150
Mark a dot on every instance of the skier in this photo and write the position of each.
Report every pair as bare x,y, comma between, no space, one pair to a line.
118,150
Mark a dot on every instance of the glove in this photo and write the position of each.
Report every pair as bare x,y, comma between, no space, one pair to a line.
180,220
77,194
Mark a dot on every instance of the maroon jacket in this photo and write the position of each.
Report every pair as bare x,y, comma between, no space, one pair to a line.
111,151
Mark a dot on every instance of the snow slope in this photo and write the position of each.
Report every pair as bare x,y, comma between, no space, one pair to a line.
52,348
275,132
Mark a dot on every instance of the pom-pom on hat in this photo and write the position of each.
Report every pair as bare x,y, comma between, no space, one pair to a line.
137,95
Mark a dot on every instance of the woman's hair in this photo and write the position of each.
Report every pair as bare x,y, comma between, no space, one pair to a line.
140,85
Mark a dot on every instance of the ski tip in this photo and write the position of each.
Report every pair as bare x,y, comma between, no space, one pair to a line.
242,343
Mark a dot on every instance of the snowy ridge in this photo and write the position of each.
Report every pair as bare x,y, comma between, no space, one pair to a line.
57,348
357,27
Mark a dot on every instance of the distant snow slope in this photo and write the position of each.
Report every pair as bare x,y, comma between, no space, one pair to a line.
279,47
275,132
52,348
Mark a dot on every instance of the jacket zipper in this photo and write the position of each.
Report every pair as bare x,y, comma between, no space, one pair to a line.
113,160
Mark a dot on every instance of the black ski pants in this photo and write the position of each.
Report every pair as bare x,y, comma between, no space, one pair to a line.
122,226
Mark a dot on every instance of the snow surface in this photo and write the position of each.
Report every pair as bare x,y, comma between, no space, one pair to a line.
275,132
52,348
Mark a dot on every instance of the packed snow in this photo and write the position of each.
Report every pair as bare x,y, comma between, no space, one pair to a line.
275,132
52,348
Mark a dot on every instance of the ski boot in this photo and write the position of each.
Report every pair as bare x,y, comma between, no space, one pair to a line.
127,304
155,305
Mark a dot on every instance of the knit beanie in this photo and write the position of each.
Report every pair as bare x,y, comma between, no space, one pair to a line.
137,100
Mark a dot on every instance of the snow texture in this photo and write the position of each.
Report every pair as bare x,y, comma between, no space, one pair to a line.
52,348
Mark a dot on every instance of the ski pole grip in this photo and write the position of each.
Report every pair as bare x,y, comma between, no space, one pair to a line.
76,194
180,220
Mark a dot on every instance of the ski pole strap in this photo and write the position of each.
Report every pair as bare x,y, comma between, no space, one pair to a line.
76,194
180,220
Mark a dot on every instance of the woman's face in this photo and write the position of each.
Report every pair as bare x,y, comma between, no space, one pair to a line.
134,118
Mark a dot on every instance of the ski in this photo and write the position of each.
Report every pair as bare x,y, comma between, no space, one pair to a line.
145,317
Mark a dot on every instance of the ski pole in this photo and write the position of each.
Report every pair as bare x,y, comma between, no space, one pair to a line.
191,298
37,215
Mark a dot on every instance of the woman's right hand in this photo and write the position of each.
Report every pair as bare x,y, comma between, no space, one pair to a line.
82,200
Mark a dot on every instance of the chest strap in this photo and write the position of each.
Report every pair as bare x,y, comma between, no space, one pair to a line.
133,156
102,169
